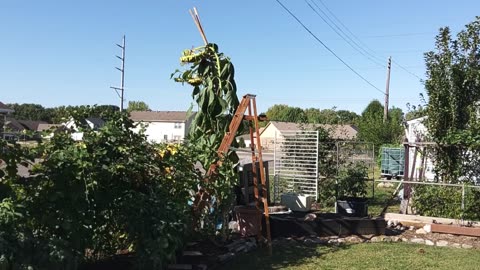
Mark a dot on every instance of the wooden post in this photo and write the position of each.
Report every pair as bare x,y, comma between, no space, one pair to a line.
387,90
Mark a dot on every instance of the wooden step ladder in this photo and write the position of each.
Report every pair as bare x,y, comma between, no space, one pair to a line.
248,102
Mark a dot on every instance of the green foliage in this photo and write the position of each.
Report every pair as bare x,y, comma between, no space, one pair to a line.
89,199
29,111
441,201
286,113
373,129
348,183
415,111
211,74
351,181
241,143
57,115
137,106
453,92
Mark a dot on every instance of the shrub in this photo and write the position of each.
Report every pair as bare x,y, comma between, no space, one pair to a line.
445,201
85,200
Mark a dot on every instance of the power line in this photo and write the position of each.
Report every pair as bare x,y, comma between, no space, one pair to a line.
353,35
341,34
405,69
326,47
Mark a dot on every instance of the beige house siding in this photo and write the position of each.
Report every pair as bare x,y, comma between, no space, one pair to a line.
338,132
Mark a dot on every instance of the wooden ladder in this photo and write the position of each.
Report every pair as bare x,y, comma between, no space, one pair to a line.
248,102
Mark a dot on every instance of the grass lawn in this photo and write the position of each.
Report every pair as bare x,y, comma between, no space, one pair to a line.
359,256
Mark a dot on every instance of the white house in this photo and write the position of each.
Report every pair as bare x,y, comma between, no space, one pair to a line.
92,122
416,132
163,126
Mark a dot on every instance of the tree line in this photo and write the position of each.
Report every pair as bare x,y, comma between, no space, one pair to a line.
57,115
370,124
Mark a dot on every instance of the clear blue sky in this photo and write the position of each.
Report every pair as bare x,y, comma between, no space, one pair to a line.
63,52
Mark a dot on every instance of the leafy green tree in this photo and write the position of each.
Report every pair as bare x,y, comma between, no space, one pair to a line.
453,88
137,106
285,113
415,111
347,117
373,129
30,111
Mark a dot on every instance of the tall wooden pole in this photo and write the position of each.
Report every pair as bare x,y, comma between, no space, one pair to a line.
387,90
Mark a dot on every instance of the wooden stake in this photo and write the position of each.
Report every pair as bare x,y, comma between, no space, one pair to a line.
196,20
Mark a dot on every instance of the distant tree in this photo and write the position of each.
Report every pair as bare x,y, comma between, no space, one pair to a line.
373,129
286,113
137,106
30,111
415,111
328,116
313,115
347,117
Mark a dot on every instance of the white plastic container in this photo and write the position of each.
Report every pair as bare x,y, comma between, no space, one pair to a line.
296,202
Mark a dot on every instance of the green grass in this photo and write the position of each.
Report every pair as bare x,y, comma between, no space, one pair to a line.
358,256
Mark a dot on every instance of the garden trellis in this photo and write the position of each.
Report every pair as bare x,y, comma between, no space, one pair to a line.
296,163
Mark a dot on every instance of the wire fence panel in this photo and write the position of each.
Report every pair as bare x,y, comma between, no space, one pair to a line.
296,163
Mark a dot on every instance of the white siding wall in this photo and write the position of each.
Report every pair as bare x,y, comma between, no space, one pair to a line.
165,131
416,132
268,137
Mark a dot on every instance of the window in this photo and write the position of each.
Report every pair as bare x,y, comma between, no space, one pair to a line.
165,137
178,125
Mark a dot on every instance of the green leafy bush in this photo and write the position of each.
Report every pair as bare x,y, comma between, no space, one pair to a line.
86,200
444,201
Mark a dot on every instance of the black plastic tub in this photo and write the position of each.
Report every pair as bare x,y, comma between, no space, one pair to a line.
353,207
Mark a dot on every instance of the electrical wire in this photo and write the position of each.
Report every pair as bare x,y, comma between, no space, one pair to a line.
341,33
372,54
326,47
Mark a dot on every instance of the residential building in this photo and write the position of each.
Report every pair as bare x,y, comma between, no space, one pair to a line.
417,132
163,126
275,129
4,111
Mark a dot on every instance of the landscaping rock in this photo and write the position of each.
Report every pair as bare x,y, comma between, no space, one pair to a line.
420,231
467,246
429,242
353,239
396,239
442,243
377,239
411,228
456,245
332,241
427,228
417,240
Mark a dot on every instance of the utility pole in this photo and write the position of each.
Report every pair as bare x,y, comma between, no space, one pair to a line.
387,90
121,89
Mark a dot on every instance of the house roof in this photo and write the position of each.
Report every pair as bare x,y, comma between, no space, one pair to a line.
44,126
19,125
159,116
342,132
5,109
